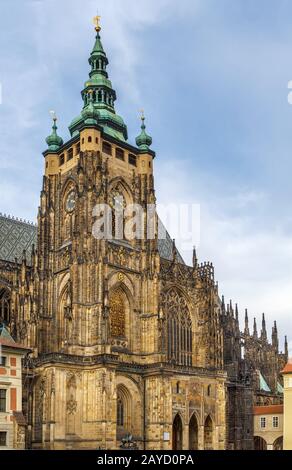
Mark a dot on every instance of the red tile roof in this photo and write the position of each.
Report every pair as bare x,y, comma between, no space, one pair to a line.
268,410
11,344
288,368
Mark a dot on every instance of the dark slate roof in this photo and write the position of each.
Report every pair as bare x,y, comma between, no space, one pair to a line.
15,236
165,244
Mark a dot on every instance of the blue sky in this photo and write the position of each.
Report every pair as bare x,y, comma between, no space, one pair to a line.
212,77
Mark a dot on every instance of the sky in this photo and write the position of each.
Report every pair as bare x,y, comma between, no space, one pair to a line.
212,77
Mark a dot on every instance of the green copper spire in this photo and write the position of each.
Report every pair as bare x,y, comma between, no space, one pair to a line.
98,88
90,113
143,140
54,141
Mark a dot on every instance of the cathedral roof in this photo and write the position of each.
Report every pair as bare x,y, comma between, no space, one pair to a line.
7,340
166,244
15,236
288,368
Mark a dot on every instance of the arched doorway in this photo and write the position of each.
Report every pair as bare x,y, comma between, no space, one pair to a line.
208,434
278,444
124,412
193,433
259,443
177,433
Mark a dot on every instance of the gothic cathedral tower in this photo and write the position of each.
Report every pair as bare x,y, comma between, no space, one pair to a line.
128,338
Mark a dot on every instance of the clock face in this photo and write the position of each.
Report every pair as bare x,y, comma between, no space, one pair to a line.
70,201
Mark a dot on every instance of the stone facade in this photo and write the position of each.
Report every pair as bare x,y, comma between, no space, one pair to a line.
126,338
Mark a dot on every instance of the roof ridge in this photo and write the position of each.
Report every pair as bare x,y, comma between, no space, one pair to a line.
18,220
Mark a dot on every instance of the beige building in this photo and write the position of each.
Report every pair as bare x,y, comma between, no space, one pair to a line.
287,373
12,423
268,427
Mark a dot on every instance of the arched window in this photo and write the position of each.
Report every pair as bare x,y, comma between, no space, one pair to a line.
117,313
178,328
118,204
5,306
209,390
120,412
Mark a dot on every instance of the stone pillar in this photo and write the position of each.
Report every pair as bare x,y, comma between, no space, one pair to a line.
201,437
185,441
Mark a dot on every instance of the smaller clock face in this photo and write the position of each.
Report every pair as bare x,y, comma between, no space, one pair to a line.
70,201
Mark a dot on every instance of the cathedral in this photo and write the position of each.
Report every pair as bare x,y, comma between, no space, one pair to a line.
125,339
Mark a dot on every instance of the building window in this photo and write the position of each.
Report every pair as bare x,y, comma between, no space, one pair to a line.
77,149
2,400
177,387
83,140
3,436
70,154
132,159
120,154
275,421
4,306
120,412
62,159
209,390
117,313
96,140
2,361
263,422
107,148
178,328
89,139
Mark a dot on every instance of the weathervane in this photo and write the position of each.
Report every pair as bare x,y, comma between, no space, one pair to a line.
53,116
96,21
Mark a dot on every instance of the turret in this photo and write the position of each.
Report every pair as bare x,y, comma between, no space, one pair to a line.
143,140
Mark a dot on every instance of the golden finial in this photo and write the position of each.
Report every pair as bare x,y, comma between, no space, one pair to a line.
96,21
142,114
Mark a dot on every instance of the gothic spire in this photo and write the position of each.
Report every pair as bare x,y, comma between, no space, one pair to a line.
275,341
286,349
98,88
223,305
246,325
195,259
264,330
255,330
